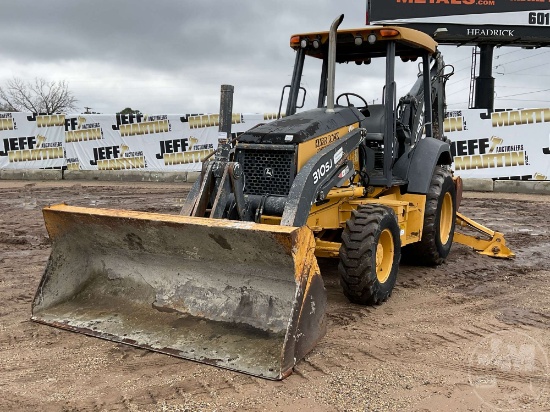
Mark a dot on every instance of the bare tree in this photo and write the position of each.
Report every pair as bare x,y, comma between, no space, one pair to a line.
39,96
6,108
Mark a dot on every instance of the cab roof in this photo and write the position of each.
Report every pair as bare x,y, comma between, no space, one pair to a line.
410,43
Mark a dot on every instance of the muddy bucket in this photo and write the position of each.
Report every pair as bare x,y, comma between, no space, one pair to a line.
238,295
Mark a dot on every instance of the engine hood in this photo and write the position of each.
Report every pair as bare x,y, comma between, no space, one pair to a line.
302,126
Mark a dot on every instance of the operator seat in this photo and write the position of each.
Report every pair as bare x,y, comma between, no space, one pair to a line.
375,123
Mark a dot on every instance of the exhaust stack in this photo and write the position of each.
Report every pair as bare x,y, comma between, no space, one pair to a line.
332,62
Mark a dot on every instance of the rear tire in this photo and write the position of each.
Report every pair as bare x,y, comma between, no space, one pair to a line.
439,222
370,254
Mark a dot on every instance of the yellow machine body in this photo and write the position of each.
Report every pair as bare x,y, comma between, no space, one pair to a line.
233,281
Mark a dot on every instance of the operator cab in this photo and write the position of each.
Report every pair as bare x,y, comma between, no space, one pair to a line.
361,47
358,46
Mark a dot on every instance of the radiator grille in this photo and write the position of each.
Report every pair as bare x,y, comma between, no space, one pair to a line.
267,171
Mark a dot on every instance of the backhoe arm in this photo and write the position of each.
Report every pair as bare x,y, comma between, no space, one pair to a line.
494,246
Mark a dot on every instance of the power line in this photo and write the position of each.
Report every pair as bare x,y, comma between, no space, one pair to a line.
504,54
524,58
516,87
465,58
530,75
454,104
463,68
527,100
522,94
457,80
458,91
527,68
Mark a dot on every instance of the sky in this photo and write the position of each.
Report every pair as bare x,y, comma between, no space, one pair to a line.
171,56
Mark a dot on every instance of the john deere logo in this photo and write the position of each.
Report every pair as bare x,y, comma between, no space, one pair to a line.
268,172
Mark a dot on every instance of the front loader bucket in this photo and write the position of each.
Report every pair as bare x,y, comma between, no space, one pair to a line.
238,295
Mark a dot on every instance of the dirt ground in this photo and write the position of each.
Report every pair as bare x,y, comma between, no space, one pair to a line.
470,335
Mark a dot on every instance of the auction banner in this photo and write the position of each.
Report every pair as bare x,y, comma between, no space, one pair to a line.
145,142
513,21
29,141
113,142
506,144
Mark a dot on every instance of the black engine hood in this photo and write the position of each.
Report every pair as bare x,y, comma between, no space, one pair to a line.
301,127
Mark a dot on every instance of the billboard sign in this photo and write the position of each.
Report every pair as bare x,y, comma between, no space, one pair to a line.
514,22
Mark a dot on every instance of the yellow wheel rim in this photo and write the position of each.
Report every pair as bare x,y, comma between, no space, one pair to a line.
384,255
446,218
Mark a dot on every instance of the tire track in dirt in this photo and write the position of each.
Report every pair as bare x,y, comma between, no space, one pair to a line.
414,346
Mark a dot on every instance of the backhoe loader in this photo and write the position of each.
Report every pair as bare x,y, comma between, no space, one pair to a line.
233,281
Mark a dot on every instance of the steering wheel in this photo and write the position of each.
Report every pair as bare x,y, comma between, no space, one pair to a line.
347,95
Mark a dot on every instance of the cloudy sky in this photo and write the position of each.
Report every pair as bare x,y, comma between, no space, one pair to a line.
171,56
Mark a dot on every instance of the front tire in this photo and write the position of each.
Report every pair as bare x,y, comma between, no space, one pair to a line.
370,254
439,222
